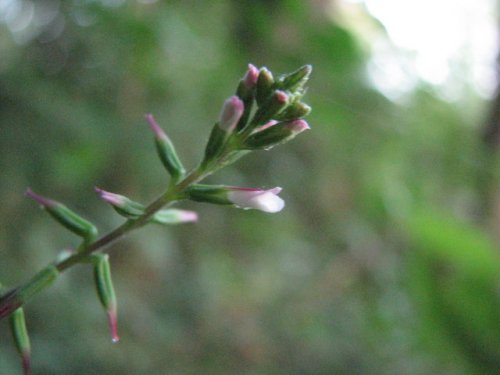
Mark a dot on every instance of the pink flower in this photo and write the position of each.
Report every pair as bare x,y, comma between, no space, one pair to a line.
231,113
263,200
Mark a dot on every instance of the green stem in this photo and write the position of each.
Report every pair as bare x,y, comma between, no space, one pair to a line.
11,300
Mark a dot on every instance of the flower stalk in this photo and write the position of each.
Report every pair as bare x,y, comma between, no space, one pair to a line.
276,119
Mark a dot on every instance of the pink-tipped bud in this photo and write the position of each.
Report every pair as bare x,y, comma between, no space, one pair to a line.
172,216
26,362
263,200
111,198
45,202
123,205
231,113
251,77
186,216
66,217
281,96
157,130
106,291
273,105
297,126
166,150
113,323
267,136
265,126
21,338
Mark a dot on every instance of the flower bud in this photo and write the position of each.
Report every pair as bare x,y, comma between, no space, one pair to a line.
231,113
267,137
174,216
166,150
265,85
246,92
215,143
251,77
230,116
273,106
66,217
296,80
294,111
21,338
246,198
121,204
106,291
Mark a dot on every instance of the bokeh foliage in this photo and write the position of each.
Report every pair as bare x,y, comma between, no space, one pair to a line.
380,264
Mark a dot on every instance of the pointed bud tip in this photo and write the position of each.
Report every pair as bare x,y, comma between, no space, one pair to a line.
111,198
231,113
26,362
39,199
251,76
276,190
298,126
281,96
308,69
113,325
189,216
157,130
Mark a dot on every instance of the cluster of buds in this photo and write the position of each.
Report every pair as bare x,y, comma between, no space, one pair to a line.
263,113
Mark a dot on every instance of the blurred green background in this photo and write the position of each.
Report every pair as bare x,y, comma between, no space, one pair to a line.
385,260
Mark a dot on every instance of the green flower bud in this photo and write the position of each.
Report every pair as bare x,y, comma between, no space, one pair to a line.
215,143
66,217
296,80
246,92
231,113
21,338
166,150
122,204
272,134
106,291
265,86
294,111
174,216
273,106
216,194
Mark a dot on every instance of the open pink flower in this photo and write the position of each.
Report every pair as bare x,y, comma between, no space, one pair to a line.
263,200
